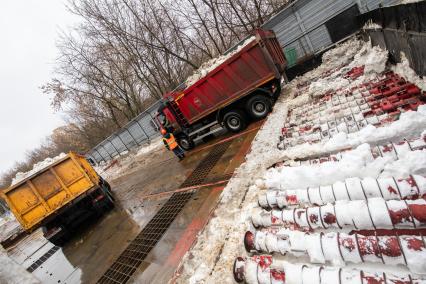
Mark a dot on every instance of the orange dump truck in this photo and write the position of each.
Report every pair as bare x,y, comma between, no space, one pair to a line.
59,197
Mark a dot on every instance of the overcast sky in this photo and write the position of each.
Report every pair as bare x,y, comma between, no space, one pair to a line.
28,31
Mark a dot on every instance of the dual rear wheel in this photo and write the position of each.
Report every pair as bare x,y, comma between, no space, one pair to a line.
235,120
256,107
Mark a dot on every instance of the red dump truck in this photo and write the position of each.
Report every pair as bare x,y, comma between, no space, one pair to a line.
242,88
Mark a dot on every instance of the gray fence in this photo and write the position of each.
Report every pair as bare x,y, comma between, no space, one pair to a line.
139,131
304,28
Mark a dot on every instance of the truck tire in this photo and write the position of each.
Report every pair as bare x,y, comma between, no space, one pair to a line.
185,142
235,120
258,106
108,202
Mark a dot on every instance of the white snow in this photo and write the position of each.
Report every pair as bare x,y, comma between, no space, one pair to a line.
12,273
371,26
218,245
403,68
153,146
210,65
37,167
409,1
122,165
411,123
9,226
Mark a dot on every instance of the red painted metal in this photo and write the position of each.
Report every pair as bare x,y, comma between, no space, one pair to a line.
256,64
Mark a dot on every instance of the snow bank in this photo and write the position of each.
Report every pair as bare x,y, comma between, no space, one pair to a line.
210,65
409,1
9,226
37,167
371,26
153,146
411,124
122,165
359,53
211,259
12,273
332,59
409,74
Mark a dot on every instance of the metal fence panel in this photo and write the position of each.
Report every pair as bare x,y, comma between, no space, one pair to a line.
301,25
320,38
368,5
141,130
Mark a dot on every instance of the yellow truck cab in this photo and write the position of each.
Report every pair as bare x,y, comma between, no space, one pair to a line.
59,197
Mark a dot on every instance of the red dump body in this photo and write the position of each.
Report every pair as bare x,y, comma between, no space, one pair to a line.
257,63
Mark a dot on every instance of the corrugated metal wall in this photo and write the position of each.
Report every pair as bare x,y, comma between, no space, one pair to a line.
302,24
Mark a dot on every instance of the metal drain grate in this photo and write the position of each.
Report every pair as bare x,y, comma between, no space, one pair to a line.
42,259
206,165
131,258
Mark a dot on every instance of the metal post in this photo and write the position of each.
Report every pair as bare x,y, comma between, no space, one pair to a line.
303,29
153,120
102,157
106,151
131,136
143,130
113,146
125,146
156,126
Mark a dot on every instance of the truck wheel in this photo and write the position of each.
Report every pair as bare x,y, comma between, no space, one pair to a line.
108,202
109,192
185,142
235,121
259,106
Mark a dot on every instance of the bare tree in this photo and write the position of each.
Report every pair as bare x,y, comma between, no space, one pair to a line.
124,55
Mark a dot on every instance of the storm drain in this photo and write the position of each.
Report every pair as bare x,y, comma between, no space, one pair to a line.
206,165
132,257
43,259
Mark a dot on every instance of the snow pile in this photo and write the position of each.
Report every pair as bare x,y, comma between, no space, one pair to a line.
212,257
155,145
37,167
356,163
372,58
411,124
332,59
9,226
409,1
120,166
210,65
12,273
409,74
370,25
